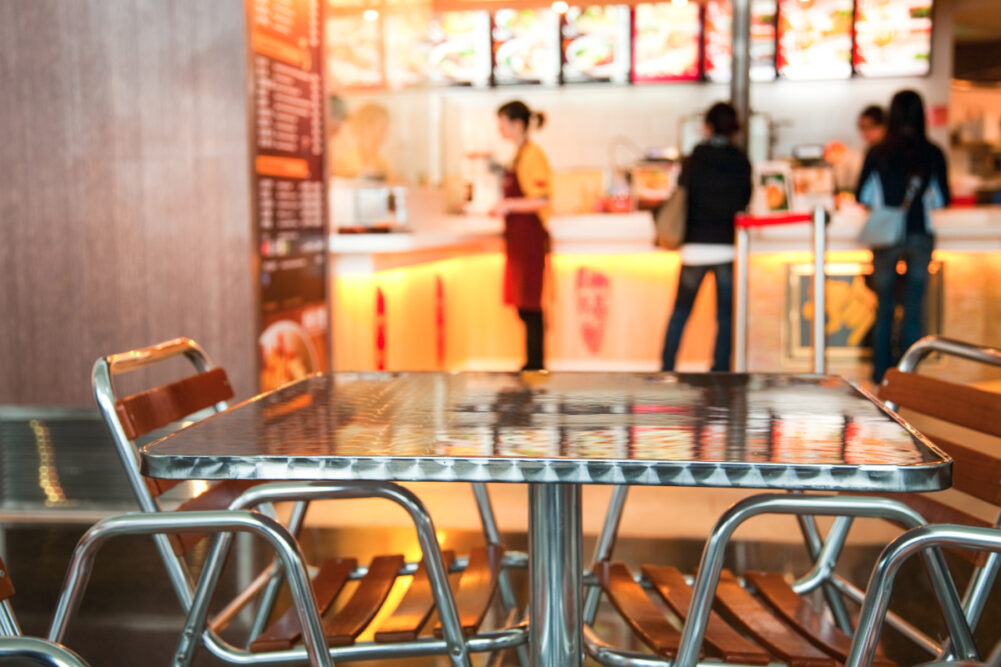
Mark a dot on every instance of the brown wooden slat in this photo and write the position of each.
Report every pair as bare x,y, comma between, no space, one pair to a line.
721,639
936,511
6,585
327,583
781,598
217,497
476,587
364,604
632,603
755,620
974,472
414,609
956,403
155,408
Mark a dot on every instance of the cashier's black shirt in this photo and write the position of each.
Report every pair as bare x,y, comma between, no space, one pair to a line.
718,177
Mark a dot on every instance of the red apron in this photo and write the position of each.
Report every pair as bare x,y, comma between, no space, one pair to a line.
526,244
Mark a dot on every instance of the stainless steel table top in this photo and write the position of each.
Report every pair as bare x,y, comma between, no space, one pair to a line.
724,430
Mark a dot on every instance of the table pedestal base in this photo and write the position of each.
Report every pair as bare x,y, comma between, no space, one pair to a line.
555,575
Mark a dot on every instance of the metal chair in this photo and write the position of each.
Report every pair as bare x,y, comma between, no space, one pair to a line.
27,649
975,474
156,411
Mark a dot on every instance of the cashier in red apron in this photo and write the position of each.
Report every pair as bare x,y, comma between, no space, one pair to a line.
525,209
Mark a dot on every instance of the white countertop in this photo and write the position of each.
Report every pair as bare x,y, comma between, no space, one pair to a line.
975,229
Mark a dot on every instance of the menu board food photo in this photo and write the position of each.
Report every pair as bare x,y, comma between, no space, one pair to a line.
459,48
893,37
595,43
666,42
407,48
354,50
719,46
526,46
815,39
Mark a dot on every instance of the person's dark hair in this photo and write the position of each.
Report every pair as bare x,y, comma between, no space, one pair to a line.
518,110
905,125
722,118
875,113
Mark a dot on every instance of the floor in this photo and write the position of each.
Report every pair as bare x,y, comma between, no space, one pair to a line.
130,617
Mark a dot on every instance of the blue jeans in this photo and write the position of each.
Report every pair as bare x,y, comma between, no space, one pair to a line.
915,251
688,286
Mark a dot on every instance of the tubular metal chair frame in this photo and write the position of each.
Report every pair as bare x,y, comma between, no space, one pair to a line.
39,652
195,599
960,614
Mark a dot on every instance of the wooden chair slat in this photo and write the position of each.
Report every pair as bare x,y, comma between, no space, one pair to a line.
327,583
633,604
155,408
364,604
797,612
476,587
216,497
414,609
752,618
936,511
956,403
6,584
721,639
974,472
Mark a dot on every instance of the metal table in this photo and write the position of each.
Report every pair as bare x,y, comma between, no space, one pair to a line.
556,431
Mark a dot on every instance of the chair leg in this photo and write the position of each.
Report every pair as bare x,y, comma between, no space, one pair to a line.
814,545
604,547
8,622
270,594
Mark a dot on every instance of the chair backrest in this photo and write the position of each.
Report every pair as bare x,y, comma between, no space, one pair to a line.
136,415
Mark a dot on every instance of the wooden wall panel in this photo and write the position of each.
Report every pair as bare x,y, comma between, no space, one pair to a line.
124,190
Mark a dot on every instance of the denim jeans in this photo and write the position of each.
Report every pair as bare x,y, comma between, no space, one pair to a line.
688,286
915,251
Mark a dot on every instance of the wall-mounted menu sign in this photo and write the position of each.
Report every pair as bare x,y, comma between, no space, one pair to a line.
815,39
287,149
893,37
596,44
526,48
718,44
666,42
354,50
460,48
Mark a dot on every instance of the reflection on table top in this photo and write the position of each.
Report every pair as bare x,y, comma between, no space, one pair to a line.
734,430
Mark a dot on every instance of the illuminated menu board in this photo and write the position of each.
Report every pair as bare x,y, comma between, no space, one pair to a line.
893,37
815,39
405,37
526,46
666,41
595,42
354,50
718,45
459,48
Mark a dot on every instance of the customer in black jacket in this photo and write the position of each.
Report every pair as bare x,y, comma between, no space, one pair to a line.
718,177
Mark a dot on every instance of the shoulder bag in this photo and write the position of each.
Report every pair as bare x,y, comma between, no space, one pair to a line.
887,225
669,219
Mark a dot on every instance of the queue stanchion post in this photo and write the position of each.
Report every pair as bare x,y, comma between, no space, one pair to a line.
819,290
743,256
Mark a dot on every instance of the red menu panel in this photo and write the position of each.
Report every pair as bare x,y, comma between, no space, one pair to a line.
526,46
815,39
595,44
718,44
893,37
666,41
460,48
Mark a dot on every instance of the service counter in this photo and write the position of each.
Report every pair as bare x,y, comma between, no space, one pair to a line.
431,299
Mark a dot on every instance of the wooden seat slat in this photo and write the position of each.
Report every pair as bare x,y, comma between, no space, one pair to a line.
956,403
974,472
633,604
364,604
145,412
476,587
797,612
6,584
722,639
327,583
755,620
414,609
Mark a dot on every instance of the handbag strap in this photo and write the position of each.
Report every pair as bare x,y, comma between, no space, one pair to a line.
913,186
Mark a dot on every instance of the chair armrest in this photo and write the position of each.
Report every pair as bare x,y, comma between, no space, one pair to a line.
39,652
